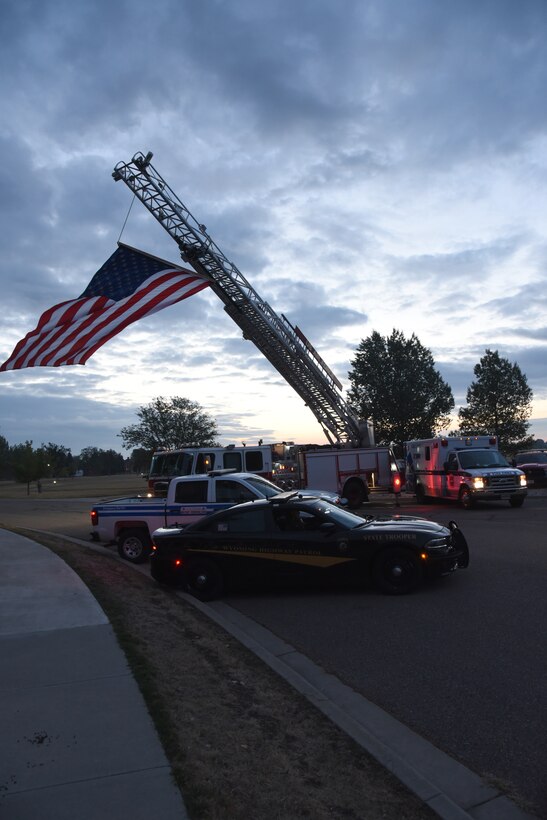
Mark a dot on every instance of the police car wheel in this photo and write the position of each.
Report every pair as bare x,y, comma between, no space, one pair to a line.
134,545
516,500
397,571
204,579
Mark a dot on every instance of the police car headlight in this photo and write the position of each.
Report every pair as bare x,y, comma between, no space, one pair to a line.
438,543
478,482
523,481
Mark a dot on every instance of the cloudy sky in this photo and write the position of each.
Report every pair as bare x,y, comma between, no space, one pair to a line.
366,164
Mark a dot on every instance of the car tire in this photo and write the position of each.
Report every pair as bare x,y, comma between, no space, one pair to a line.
466,499
134,545
516,500
397,571
356,494
204,579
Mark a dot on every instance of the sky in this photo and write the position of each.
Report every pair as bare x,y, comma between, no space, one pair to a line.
368,165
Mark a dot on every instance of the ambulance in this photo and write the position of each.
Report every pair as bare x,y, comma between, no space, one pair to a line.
463,469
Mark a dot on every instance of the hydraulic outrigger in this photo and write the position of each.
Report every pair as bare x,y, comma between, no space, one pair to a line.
284,345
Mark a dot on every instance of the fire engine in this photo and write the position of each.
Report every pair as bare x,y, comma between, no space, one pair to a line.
464,469
282,343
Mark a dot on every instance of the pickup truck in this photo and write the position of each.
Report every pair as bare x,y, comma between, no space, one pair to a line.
130,522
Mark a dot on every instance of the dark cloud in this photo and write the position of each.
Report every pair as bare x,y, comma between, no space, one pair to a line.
369,165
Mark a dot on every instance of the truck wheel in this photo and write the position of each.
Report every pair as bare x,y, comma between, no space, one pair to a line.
466,499
134,545
356,493
396,571
516,500
204,579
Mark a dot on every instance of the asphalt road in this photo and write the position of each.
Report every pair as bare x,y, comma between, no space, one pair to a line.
463,661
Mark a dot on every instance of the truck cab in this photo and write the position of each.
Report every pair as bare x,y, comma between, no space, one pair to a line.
130,522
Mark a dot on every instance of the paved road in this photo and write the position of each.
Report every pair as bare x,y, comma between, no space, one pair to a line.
462,662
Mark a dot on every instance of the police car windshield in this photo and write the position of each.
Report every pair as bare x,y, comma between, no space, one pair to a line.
338,515
470,459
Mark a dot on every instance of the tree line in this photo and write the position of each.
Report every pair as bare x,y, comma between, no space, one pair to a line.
394,383
26,463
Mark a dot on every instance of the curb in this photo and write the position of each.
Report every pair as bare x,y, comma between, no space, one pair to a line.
451,790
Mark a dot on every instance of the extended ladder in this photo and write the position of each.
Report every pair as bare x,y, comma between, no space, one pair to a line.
285,346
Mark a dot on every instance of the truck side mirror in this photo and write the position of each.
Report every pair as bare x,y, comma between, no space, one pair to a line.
446,466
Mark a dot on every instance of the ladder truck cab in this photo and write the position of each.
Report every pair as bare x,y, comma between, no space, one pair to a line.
169,464
463,469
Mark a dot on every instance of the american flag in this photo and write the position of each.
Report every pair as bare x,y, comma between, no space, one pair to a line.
130,285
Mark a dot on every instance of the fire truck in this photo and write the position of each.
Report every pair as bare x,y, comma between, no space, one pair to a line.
283,344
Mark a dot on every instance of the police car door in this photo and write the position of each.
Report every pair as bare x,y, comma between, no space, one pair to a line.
244,542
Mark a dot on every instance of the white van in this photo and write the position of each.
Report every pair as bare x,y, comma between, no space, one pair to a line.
464,469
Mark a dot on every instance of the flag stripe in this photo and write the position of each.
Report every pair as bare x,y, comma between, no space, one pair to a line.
76,335
85,355
129,286
102,326
73,315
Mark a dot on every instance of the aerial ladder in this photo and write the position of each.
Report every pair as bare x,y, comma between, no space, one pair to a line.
284,345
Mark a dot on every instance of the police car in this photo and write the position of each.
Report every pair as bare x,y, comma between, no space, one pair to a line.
293,535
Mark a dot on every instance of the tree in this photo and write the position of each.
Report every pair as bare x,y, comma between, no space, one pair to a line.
94,461
5,460
395,384
140,460
170,424
499,402
58,461
27,463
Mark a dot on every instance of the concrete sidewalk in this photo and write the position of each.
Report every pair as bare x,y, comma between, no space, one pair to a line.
76,737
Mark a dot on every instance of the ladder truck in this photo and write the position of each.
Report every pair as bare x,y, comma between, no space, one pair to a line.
284,345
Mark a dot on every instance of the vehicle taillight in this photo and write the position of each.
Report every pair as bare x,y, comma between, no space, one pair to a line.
94,518
397,484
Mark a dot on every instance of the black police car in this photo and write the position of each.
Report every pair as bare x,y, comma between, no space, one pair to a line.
291,535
